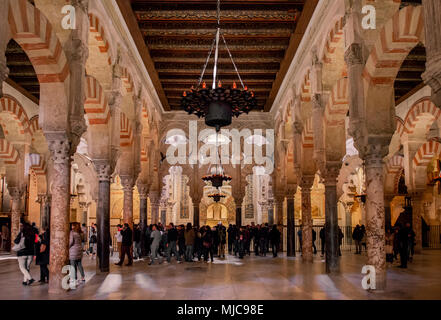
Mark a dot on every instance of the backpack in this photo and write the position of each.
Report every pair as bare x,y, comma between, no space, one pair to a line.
93,239
21,245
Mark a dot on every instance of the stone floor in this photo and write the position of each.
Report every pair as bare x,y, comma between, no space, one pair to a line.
251,278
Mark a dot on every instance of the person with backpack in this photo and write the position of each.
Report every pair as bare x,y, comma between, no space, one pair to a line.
274,237
25,246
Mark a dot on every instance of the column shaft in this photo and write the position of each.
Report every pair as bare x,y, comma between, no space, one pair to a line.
375,233
59,221
103,225
143,221
417,208
331,228
16,195
196,216
291,238
306,224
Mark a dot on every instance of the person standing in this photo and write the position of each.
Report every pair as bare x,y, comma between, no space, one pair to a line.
76,250
299,234
93,240
137,239
126,245
181,241
189,236
274,237
340,240
172,237
156,236
118,237
389,246
84,237
207,243
42,255
411,240
403,236
357,236
314,237
222,240
25,242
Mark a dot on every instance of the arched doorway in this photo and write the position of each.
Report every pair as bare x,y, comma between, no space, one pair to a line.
216,213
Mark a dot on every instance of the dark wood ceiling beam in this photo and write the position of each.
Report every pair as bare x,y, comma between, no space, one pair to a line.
251,66
201,60
132,24
174,53
296,38
212,25
210,33
202,43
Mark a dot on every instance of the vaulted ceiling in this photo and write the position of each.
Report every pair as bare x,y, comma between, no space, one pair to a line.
175,36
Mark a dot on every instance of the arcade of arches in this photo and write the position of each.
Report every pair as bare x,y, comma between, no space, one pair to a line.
350,119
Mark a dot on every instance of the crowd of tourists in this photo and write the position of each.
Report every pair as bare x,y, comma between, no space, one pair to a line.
184,243
191,244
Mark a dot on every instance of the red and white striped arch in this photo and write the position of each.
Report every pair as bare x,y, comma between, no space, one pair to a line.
426,153
126,134
33,125
333,40
11,105
308,134
397,38
393,169
338,104
424,112
8,154
33,32
96,106
99,34
306,90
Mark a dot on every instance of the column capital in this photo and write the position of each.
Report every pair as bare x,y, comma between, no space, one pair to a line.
103,170
143,190
306,182
16,193
60,148
354,54
331,172
127,183
154,197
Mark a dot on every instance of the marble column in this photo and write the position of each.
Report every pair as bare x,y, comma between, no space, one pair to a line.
104,172
40,200
291,236
128,184
143,192
306,185
417,208
60,149
154,202
270,209
239,202
330,175
16,196
432,27
375,232
196,216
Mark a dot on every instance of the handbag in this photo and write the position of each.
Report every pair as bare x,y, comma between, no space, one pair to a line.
19,246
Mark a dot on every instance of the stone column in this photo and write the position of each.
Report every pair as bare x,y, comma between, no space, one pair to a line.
330,175
291,236
196,216
270,210
60,149
104,172
16,196
143,192
432,27
238,202
128,184
417,208
40,200
306,184
154,201
375,233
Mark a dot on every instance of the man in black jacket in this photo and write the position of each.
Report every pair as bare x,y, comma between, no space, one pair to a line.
126,245
137,239
172,237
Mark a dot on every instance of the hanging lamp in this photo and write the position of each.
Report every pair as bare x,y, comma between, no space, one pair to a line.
219,104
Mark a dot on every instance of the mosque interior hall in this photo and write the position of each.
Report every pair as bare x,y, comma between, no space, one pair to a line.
311,119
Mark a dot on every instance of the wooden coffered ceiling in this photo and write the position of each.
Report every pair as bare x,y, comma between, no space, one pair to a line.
174,38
